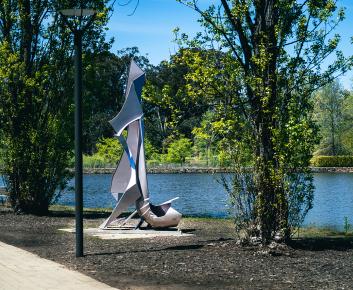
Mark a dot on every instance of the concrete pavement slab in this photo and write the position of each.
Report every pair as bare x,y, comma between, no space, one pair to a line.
22,270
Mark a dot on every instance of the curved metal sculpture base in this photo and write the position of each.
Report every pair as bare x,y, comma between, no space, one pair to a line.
129,183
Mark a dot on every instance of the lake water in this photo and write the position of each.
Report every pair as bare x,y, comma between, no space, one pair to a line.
202,195
199,194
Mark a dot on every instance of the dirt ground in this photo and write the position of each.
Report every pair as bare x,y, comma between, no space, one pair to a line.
211,259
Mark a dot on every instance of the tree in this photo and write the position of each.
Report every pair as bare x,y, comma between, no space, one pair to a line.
36,51
210,140
329,115
178,150
347,124
169,111
204,137
109,149
264,65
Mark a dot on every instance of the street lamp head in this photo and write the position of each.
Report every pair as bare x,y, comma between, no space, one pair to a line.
83,23
78,12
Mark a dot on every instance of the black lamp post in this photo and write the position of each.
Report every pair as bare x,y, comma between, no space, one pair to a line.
78,31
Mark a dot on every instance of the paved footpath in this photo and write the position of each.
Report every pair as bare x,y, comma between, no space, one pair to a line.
22,270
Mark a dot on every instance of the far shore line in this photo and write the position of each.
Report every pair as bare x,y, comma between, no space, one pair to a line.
196,169
191,169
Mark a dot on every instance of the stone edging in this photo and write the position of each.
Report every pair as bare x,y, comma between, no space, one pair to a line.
165,170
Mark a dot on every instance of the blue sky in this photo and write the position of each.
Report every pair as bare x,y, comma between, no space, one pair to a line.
150,28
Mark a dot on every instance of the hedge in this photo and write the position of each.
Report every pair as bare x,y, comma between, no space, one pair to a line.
332,161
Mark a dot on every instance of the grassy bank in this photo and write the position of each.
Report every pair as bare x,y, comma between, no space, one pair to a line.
70,210
304,232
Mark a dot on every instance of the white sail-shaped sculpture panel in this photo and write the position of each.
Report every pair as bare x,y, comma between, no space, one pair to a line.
129,183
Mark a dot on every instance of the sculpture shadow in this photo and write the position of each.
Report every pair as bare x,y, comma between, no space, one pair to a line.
174,248
184,247
92,215
188,247
184,231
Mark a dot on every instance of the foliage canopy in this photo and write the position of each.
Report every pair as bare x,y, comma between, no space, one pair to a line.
36,92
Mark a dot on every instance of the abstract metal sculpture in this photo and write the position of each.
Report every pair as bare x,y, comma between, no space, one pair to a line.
129,183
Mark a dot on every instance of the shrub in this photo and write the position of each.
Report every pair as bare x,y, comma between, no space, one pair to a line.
150,151
95,161
179,150
332,161
109,152
109,149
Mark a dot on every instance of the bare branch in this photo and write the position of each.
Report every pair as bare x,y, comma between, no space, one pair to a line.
219,30
239,29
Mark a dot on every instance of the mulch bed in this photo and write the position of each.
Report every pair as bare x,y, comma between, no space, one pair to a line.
211,259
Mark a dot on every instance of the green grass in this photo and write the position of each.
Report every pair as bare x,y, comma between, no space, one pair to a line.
304,232
316,232
205,219
71,209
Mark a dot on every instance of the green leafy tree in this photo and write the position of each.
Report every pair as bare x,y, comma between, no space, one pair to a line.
347,124
204,138
150,150
329,115
263,63
169,111
179,150
109,149
36,91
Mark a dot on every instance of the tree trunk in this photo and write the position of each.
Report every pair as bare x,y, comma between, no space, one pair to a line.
272,205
